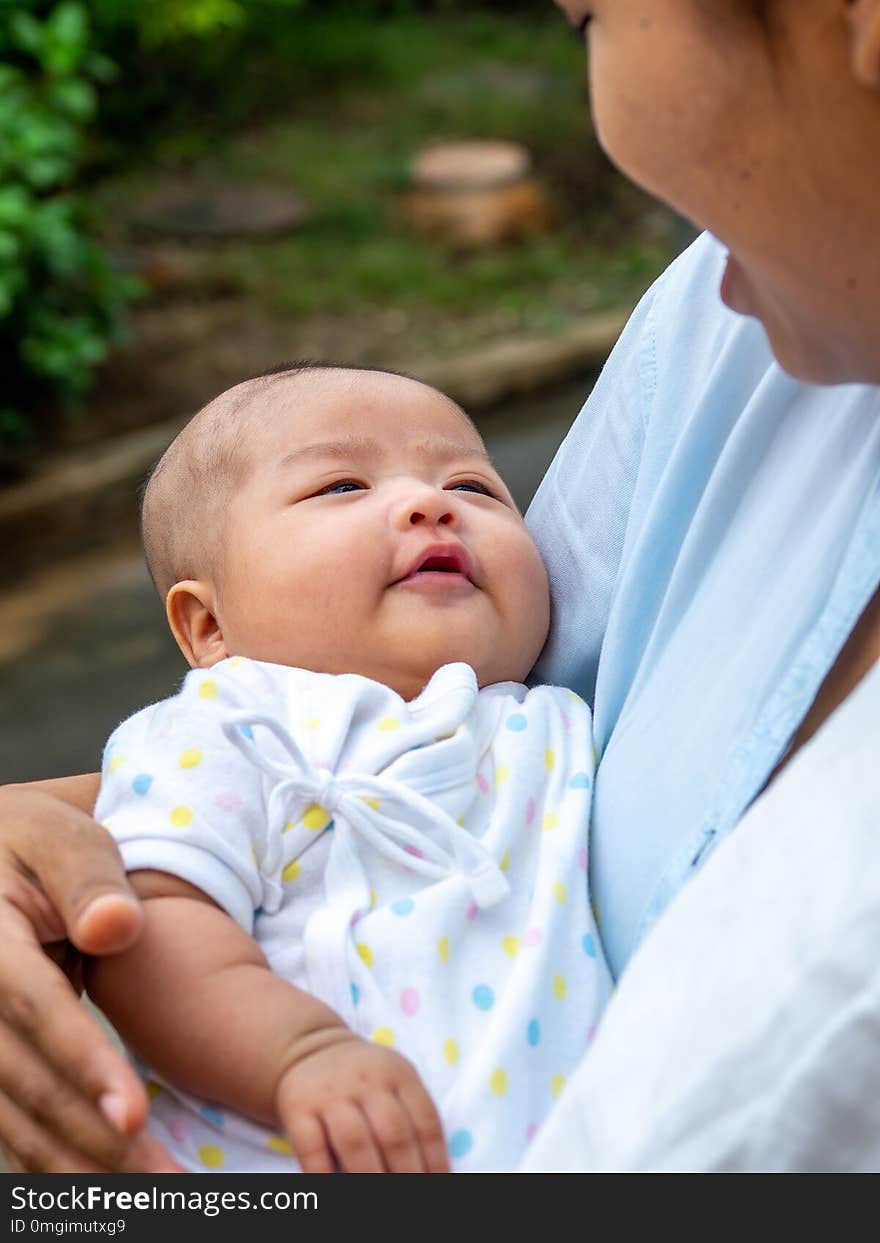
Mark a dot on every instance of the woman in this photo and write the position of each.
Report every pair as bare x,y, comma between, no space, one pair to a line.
712,525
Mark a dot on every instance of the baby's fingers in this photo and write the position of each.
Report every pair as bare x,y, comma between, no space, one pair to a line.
352,1139
310,1144
428,1128
394,1132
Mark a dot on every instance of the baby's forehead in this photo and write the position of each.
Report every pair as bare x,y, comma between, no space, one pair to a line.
363,409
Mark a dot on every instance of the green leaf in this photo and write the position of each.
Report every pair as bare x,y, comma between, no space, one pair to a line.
27,33
74,97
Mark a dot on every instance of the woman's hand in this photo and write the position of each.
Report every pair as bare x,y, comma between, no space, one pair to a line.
69,1100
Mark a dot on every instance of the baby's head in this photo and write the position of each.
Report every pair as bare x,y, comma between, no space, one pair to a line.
343,521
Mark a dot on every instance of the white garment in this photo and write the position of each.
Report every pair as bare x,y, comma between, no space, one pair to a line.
745,1033
420,867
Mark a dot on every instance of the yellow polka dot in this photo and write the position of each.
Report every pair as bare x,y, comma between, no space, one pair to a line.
181,817
208,690
314,722
108,825
388,723
444,737
557,1083
560,893
315,818
287,827
502,772
375,803
498,1082
550,821
366,953
153,1089
383,1035
510,945
279,1144
292,871
459,820
577,699
115,763
505,861
549,759
235,661
212,1156
253,854
597,914
373,900
191,758
560,987
443,949
451,1051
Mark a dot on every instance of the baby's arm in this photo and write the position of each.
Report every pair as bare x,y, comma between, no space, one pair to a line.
196,999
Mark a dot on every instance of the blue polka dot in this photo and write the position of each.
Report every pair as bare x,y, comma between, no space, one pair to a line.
517,722
142,783
212,1114
355,994
484,998
580,781
404,906
247,731
533,1032
460,1143
589,945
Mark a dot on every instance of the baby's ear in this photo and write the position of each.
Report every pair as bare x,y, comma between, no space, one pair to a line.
189,607
864,22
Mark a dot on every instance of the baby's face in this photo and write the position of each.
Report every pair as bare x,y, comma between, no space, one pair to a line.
372,535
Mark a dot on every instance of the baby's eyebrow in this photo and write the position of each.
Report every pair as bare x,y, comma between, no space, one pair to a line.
364,447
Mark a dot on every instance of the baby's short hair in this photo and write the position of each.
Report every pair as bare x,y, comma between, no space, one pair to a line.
185,496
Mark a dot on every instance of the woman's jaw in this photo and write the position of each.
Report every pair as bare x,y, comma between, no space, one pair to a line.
765,133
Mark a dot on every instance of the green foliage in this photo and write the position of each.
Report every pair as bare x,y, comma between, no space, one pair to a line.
60,302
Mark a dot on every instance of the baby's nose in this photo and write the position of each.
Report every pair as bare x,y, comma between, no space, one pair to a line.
429,505
438,514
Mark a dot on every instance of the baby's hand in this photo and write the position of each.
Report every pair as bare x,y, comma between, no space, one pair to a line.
358,1107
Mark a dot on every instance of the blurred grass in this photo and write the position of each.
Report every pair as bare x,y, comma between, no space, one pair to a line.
360,98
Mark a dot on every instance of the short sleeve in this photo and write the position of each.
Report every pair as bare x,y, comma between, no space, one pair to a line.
180,797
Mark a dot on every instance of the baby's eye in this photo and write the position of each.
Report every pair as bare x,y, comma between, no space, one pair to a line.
340,487
472,485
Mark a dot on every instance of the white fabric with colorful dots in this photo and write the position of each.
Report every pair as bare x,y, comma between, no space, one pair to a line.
421,867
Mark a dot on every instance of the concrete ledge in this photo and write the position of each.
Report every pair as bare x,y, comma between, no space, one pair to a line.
83,498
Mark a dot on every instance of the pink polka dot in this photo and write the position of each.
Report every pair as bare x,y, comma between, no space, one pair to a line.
566,720
414,851
530,811
531,1131
473,911
532,936
410,1001
482,783
228,800
178,1130
582,858
591,1031
356,918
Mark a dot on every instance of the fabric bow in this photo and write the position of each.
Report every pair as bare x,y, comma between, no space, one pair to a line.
399,823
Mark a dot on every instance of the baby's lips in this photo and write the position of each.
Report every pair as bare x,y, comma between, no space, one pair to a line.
450,557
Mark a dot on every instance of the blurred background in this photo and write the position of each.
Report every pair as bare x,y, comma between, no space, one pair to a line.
192,191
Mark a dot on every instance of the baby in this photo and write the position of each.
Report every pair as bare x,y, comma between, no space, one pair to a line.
359,839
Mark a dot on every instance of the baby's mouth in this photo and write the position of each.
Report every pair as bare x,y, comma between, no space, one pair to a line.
449,562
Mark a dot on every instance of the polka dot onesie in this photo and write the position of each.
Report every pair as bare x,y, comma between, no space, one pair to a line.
421,867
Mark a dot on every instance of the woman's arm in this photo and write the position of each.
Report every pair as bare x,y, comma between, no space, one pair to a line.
69,1101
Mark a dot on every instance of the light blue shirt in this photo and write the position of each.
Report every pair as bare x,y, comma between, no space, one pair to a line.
712,532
